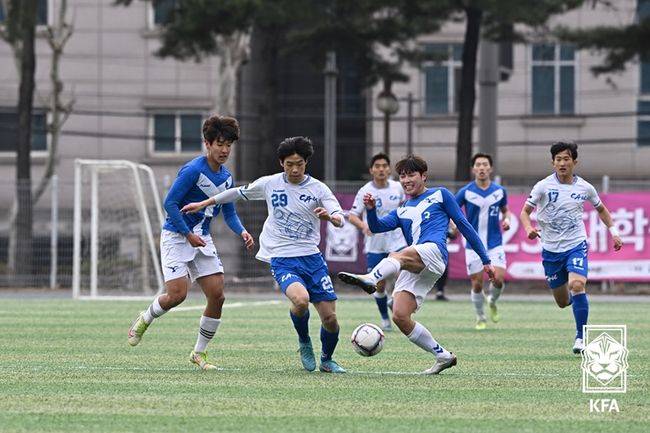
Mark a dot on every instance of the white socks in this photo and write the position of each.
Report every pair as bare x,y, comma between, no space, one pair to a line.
422,338
495,292
207,328
478,300
384,269
154,311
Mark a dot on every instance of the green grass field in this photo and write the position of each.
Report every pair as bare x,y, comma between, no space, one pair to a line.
65,366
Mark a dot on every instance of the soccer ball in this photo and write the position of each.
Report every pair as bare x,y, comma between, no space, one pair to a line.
367,339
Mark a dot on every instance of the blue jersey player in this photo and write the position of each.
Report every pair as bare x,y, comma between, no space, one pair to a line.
484,202
423,219
559,199
296,204
186,247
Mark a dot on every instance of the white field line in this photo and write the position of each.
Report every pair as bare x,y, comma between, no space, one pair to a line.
231,305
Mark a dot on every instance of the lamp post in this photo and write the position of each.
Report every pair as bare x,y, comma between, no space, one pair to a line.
388,104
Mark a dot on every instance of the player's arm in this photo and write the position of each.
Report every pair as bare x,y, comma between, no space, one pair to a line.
181,186
358,223
234,223
387,223
331,210
524,217
450,206
228,196
606,218
505,218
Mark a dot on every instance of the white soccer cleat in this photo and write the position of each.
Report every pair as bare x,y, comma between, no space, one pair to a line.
578,346
137,330
442,364
358,280
386,325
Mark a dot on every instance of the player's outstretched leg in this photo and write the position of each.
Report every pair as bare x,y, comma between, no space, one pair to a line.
421,337
362,281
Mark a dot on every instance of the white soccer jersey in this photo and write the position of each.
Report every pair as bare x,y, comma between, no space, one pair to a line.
292,229
387,199
560,211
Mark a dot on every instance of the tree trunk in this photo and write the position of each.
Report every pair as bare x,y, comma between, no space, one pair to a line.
467,97
23,269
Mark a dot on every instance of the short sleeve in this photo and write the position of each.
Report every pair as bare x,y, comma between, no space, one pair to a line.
536,194
255,190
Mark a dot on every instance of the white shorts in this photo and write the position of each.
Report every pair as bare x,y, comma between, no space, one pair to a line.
474,264
421,283
179,258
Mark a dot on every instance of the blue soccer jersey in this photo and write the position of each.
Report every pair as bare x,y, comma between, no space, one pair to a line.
425,218
482,207
196,182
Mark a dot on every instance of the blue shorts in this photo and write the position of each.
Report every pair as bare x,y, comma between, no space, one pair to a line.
374,259
558,265
310,271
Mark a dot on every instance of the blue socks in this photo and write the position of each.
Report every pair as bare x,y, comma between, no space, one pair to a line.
328,340
382,304
580,306
302,326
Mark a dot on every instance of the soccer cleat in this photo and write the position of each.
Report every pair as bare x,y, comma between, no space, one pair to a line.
137,329
307,355
440,296
359,281
481,324
493,313
578,346
330,366
442,365
386,325
201,359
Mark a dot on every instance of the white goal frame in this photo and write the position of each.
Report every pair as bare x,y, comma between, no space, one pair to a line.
96,166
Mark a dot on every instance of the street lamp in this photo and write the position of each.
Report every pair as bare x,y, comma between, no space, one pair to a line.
388,104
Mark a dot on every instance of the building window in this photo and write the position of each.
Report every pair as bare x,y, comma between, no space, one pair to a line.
42,7
8,131
442,79
160,11
643,124
553,79
176,132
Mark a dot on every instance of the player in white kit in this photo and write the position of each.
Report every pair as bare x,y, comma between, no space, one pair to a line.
559,199
484,202
388,194
296,204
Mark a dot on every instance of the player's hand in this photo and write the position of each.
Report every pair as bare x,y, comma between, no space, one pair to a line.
195,240
192,207
322,214
532,233
249,242
505,224
369,201
489,270
366,231
618,243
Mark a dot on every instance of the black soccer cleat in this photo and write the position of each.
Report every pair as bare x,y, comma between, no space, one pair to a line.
358,280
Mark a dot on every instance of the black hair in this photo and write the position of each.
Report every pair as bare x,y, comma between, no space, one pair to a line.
220,128
300,145
411,164
561,146
482,155
379,156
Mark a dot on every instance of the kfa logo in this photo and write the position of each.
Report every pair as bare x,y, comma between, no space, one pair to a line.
604,359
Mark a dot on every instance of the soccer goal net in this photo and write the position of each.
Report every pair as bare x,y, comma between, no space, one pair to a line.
117,219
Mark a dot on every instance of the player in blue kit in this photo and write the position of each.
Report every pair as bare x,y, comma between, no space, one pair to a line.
423,219
186,247
485,201
559,199
388,195
296,204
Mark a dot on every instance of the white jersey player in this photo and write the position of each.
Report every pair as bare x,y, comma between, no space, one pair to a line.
289,241
559,199
389,195
484,202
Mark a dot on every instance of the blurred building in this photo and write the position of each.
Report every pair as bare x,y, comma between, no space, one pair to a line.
550,93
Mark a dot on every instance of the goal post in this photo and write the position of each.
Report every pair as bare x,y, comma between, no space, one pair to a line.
116,223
